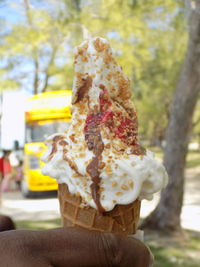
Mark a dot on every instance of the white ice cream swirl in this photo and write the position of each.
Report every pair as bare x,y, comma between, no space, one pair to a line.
99,156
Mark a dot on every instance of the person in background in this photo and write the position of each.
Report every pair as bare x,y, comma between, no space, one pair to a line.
5,171
19,174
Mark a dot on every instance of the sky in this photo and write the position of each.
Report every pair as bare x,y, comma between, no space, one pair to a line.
12,121
11,12
8,11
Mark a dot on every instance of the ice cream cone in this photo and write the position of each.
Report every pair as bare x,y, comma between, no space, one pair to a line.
99,157
123,219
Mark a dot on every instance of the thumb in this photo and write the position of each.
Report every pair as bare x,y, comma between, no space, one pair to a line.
80,247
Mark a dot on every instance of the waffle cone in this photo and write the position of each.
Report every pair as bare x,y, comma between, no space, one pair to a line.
123,219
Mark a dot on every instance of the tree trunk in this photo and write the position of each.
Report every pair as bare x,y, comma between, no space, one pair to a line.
166,215
34,50
46,72
36,71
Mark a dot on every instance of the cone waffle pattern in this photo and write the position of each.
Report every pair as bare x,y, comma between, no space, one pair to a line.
123,219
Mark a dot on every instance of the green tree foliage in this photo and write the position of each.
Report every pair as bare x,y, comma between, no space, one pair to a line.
37,51
148,38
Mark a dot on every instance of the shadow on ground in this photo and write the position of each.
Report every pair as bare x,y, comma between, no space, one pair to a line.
43,195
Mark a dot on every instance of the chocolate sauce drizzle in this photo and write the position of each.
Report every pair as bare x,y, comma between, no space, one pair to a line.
94,143
55,140
82,90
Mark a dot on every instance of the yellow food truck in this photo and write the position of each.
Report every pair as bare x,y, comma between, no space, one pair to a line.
45,114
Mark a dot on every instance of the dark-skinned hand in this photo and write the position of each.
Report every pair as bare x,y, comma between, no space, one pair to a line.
73,247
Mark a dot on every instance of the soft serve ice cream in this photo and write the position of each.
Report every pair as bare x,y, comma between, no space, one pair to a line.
99,157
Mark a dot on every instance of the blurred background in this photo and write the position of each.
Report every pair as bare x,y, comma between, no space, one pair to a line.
157,44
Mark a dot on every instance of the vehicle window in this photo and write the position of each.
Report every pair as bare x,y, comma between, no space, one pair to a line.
38,132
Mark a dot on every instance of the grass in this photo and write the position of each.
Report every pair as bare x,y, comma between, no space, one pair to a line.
168,251
38,225
193,159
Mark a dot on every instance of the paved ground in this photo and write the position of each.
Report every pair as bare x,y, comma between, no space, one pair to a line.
19,208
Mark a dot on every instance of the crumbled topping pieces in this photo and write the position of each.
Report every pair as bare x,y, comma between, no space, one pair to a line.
99,45
75,175
114,183
108,169
118,193
72,164
102,165
81,52
107,146
130,183
124,187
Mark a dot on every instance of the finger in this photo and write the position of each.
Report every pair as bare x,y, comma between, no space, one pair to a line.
6,223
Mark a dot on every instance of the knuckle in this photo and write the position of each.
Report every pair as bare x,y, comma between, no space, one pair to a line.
110,247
